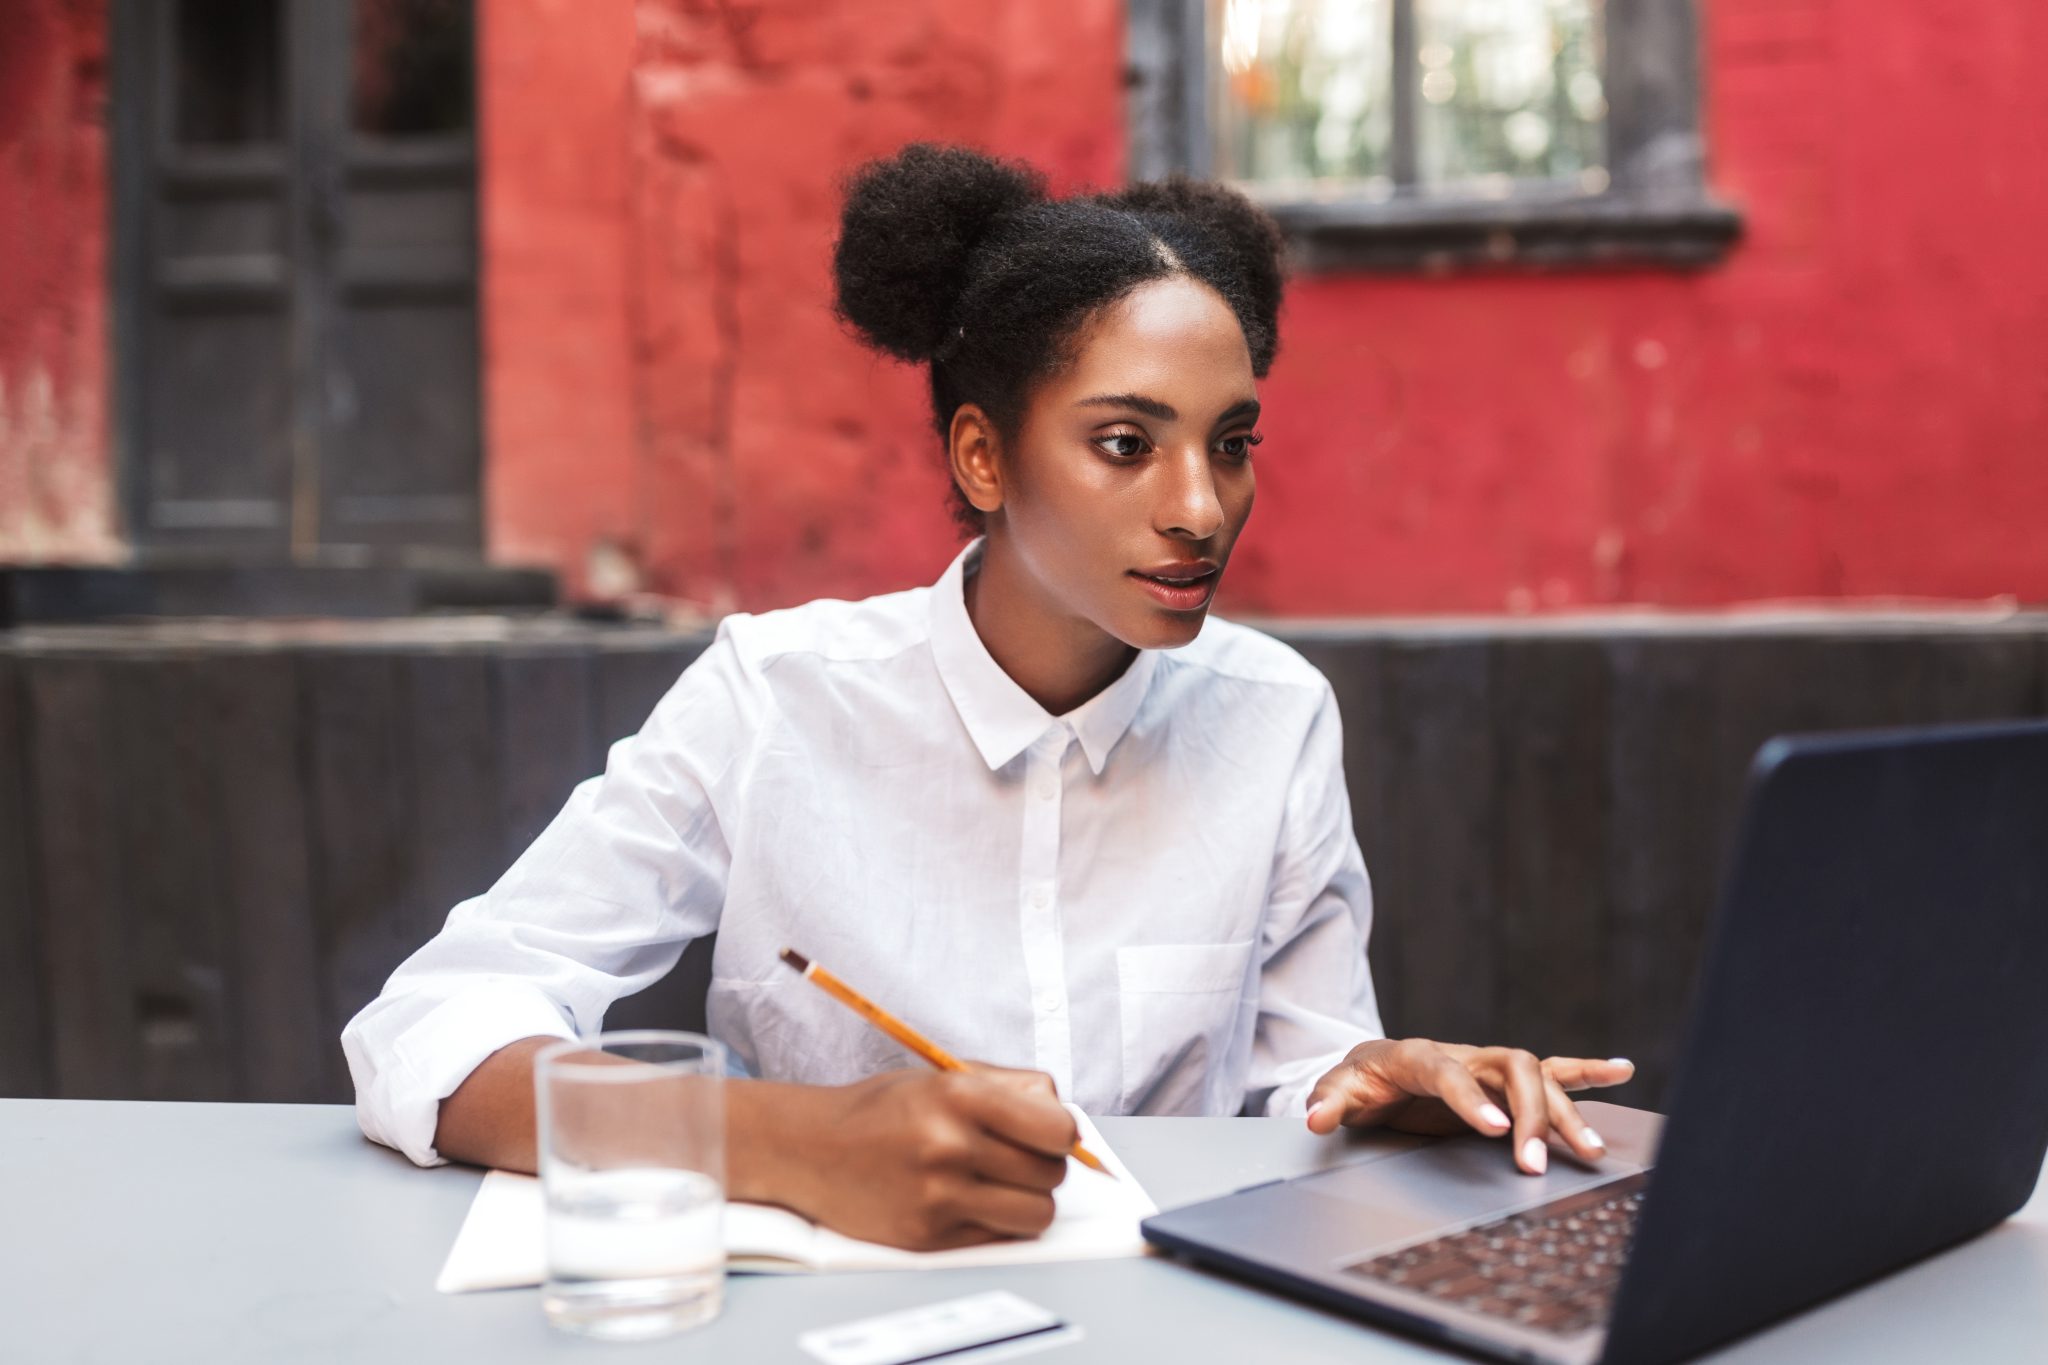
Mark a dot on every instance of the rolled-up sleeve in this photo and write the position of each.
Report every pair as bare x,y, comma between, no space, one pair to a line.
1316,999
600,906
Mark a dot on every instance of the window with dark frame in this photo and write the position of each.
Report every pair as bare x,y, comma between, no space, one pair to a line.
1419,134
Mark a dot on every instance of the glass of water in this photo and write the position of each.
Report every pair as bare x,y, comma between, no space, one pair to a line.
632,1158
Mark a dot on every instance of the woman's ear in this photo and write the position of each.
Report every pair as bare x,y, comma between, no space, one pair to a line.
974,450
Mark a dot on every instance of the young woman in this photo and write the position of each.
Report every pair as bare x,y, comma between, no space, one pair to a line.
1046,808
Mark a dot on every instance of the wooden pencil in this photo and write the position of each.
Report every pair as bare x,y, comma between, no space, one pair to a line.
904,1034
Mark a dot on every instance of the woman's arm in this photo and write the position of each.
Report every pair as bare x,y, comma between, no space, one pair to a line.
1316,1002
489,1120
917,1159
1316,997
600,906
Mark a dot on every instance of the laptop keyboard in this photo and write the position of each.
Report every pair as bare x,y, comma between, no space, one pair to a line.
1553,1268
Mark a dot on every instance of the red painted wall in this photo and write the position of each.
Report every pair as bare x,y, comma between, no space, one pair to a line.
668,386
1856,403
56,498
1852,405
562,428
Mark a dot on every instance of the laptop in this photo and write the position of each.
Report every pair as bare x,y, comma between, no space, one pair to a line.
1863,1082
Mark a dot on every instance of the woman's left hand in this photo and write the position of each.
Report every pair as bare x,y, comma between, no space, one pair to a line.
1417,1086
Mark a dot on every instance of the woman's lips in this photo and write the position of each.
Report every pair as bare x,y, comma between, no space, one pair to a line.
1180,587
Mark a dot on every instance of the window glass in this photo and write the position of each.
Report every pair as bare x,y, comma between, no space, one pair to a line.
1303,90
412,68
1509,90
227,79
1503,90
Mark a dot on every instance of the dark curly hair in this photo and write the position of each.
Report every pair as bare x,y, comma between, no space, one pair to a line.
950,258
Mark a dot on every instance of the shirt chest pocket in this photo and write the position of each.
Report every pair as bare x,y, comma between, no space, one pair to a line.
1179,1006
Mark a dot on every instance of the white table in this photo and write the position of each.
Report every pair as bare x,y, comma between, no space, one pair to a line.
216,1234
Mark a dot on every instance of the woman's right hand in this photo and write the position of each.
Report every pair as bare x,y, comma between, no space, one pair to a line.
926,1160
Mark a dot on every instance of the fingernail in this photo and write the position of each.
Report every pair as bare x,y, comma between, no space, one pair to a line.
1621,1061
1593,1139
1492,1114
1316,1109
1535,1155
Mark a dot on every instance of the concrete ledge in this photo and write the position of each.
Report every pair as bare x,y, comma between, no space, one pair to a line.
57,594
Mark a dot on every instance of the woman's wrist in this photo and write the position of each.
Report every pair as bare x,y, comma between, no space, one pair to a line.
774,1134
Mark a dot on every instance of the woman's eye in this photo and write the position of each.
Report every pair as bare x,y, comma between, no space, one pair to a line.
1239,448
1122,445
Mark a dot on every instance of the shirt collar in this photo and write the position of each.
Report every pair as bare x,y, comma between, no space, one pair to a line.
1000,716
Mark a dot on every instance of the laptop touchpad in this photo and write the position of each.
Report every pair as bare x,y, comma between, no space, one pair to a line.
1453,1182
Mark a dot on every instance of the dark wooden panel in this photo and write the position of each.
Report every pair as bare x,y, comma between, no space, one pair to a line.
85,939
452,835
1360,686
1785,684
1546,818
1667,837
285,1046
545,721
629,682
1549,846
1985,677
1775,684
1355,668
1435,874
356,783
24,1047
167,852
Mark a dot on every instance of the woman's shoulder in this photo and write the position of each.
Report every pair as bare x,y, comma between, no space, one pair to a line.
1229,649
757,662
830,628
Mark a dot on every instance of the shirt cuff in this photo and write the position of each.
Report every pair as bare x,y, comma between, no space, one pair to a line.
436,1055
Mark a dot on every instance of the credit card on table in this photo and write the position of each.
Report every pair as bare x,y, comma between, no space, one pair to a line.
972,1331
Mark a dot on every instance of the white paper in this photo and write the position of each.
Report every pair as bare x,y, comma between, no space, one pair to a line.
502,1244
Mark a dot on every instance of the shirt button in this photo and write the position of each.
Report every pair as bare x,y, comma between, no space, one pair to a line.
1041,898
1047,790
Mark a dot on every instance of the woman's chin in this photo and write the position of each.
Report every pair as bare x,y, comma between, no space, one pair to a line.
1164,629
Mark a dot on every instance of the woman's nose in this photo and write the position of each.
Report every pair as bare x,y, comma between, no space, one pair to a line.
1189,505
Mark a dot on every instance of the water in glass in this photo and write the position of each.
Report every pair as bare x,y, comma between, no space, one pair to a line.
634,1253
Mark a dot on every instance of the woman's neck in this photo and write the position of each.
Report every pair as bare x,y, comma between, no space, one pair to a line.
1058,658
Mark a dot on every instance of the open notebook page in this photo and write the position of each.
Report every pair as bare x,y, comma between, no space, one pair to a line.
502,1241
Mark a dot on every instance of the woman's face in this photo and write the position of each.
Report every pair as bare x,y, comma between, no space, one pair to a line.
1131,475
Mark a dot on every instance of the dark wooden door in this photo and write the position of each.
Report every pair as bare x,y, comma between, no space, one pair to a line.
296,273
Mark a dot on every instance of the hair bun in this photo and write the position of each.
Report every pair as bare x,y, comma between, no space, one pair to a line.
910,224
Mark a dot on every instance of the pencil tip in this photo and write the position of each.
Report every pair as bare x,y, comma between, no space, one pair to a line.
796,959
1090,1160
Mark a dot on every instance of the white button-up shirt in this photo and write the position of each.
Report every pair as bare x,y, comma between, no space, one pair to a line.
1156,898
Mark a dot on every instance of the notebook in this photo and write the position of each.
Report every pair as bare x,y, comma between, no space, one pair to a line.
501,1244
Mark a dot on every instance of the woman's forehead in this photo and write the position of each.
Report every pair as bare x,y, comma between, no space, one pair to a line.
1176,336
